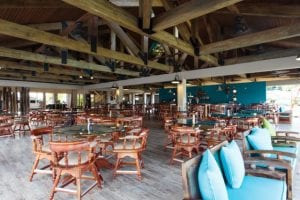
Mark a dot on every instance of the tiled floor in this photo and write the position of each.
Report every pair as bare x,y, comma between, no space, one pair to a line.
160,180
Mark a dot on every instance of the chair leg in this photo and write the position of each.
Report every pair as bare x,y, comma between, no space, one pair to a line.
173,156
35,164
97,176
55,184
78,188
116,166
138,167
141,160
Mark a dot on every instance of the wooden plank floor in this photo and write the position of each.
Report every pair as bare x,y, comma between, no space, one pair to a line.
160,180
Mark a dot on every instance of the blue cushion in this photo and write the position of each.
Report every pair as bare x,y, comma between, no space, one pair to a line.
260,139
211,183
233,164
259,188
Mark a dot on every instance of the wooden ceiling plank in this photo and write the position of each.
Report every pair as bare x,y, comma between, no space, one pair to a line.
270,35
187,11
27,33
24,55
110,12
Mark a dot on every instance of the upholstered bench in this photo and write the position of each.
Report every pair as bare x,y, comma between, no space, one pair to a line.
271,186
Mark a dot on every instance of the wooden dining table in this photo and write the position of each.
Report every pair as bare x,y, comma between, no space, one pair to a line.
82,132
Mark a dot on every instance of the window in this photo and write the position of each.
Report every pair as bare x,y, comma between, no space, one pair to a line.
36,100
64,98
79,100
49,98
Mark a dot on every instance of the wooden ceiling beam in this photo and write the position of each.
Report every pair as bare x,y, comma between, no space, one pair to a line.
286,44
27,33
52,70
125,39
25,55
110,12
145,10
270,35
45,77
33,79
263,56
187,11
266,10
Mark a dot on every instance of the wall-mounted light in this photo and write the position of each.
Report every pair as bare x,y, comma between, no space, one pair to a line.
298,58
234,91
91,77
80,76
176,80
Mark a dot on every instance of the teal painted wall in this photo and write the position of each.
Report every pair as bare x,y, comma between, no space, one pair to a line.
247,93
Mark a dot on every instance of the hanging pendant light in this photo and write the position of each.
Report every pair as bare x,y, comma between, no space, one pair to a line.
176,80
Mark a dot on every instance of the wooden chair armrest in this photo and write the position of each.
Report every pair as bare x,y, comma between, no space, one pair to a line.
287,133
277,153
266,173
270,163
286,138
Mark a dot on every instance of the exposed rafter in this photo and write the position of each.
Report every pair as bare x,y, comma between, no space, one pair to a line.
52,70
25,55
28,33
270,35
187,11
110,12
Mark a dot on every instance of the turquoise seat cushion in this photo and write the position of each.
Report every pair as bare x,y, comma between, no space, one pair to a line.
210,179
266,124
260,139
233,164
259,188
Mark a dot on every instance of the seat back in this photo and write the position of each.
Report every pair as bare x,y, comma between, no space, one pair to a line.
37,136
190,173
185,136
74,153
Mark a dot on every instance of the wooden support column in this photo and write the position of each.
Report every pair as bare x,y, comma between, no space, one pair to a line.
181,95
25,101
